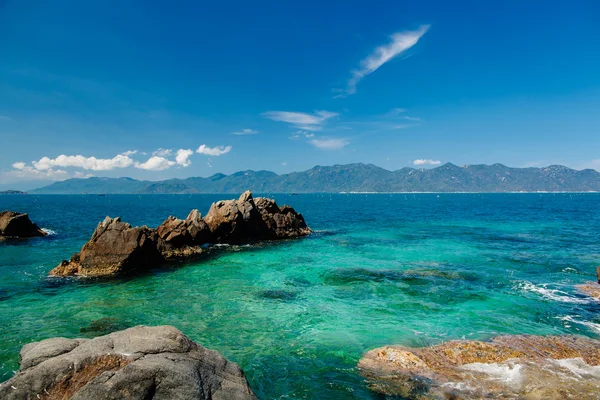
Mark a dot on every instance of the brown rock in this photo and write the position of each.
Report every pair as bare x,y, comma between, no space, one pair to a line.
591,289
16,225
236,221
115,247
135,364
508,367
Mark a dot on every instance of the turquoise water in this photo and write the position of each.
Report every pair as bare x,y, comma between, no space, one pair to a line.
297,315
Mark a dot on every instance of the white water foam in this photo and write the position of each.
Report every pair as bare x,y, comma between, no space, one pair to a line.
569,318
551,294
49,232
508,374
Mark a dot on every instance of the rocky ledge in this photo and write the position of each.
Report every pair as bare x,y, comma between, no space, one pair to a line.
137,363
117,247
17,225
507,367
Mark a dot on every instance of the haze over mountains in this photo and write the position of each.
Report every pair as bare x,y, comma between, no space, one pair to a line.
351,178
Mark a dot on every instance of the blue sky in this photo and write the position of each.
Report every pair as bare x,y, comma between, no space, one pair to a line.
178,89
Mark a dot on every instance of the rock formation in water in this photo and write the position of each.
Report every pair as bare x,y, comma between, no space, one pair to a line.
136,364
16,225
508,367
117,247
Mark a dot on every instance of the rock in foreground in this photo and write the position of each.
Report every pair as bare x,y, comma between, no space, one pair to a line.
117,247
508,367
136,364
17,225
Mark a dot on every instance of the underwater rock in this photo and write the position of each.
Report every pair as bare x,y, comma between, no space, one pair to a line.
507,367
102,326
598,273
277,294
136,364
117,247
17,225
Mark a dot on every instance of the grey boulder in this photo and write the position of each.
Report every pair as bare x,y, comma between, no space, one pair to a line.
135,364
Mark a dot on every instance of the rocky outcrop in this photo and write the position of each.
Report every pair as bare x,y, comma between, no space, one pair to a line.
17,225
117,247
136,364
508,367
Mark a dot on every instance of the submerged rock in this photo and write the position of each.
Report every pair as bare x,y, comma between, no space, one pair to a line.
136,364
17,225
117,247
508,367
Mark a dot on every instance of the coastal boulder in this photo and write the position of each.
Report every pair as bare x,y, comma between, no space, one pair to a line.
507,367
115,247
282,223
236,221
134,364
248,219
17,225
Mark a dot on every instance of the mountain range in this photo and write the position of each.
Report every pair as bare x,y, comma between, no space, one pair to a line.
351,178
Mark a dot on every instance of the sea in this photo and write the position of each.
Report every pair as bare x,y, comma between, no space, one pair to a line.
379,269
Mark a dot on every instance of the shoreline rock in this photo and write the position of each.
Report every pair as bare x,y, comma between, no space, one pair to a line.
18,225
118,248
507,367
136,364
591,289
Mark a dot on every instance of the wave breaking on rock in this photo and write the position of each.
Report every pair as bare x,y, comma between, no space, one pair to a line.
507,367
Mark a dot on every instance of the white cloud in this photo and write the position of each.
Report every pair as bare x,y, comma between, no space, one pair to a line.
129,152
182,157
162,152
301,135
82,175
329,144
24,172
406,117
246,131
309,122
213,151
284,163
400,42
79,161
155,163
426,162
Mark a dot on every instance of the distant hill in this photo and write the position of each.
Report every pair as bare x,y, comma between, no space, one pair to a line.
352,178
11,192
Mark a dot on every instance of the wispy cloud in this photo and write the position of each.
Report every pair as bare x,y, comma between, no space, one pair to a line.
213,151
309,122
26,172
399,43
162,152
329,144
247,131
5,118
426,162
302,135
